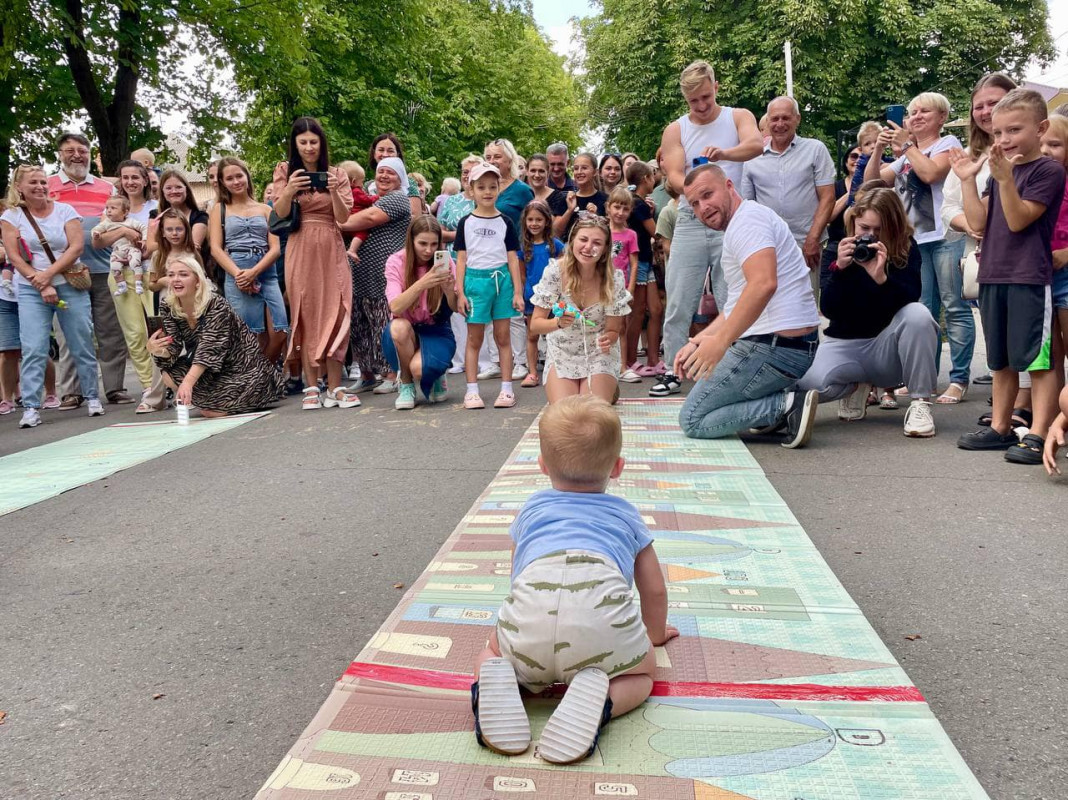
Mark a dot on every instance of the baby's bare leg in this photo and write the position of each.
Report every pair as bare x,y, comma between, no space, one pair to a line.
493,650
633,687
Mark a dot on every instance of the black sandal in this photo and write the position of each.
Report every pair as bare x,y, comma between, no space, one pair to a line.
1021,418
1027,451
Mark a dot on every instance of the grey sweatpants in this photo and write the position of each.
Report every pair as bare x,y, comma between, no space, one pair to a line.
904,353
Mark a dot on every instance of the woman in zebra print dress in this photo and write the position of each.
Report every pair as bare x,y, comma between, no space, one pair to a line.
207,355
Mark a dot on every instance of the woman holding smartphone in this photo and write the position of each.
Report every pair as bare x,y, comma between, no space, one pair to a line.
421,291
318,280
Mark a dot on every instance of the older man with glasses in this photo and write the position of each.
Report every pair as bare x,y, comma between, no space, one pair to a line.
75,186
557,156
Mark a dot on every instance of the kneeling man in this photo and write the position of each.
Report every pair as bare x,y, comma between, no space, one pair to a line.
748,361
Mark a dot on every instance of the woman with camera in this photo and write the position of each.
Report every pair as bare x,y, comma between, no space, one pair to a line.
317,198
879,331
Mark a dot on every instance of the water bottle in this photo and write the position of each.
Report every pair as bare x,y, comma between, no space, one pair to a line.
183,413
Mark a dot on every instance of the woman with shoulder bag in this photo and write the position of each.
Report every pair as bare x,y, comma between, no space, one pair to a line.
53,233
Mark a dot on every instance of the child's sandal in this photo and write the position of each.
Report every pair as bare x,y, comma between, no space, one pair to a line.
531,381
501,722
572,731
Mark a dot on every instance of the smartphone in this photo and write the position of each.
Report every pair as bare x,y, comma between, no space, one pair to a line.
318,180
896,115
441,260
154,324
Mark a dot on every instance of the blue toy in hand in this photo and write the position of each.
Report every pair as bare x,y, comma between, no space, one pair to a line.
562,308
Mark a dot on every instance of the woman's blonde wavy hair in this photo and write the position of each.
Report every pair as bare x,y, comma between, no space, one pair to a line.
205,290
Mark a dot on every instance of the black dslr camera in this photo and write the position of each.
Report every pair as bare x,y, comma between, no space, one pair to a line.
864,251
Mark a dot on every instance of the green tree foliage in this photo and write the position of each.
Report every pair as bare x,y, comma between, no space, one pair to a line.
851,57
445,76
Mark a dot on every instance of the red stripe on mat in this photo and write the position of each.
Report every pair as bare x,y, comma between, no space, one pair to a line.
747,691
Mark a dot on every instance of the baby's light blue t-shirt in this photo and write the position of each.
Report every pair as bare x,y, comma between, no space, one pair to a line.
552,521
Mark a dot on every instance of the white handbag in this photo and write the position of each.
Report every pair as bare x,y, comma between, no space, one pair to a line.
969,267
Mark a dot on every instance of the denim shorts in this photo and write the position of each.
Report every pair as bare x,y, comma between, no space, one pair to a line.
251,307
645,273
490,294
9,325
1060,288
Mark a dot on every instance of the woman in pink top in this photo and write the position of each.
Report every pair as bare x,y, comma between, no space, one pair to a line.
421,292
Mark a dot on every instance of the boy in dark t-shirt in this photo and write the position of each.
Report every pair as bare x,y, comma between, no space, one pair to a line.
646,294
1017,212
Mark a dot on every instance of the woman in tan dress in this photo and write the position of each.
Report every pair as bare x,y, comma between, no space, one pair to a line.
318,280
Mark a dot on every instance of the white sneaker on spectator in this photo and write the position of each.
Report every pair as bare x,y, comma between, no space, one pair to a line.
95,407
31,418
456,370
492,371
385,387
519,371
919,421
853,407
630,376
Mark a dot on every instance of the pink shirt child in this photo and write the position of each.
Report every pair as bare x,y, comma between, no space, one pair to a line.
624,243
418,314
1059,240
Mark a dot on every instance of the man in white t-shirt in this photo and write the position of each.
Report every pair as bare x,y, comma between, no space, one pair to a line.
748,361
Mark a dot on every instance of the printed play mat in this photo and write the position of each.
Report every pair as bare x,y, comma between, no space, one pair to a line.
33,475
777,688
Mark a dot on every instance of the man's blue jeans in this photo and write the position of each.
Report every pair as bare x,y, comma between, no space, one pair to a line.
747,389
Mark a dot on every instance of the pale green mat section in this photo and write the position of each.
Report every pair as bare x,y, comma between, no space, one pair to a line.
42,472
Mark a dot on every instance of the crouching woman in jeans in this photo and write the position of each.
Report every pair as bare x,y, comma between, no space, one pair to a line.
418,343
879,333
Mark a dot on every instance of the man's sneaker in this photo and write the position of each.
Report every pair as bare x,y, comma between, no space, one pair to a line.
492,371
95,407
853,407
31,418
630,376
405,397
800,414
666,384
919,422
519,371
386,387
440,392
364,385
1026,451
987,439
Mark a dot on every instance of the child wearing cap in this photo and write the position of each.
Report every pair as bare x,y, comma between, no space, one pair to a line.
570,615
487,276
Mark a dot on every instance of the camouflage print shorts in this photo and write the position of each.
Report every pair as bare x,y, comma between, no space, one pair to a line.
568,611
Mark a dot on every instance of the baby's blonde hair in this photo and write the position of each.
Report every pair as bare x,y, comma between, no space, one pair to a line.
352,169
581,439
867,130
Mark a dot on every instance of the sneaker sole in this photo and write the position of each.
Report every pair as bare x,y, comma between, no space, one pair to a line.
403,406
657,392
984,447
501,716
571,730
29,424
808,417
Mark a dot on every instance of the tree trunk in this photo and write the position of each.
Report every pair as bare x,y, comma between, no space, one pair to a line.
111,121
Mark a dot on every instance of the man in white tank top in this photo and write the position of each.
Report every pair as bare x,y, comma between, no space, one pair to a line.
727,137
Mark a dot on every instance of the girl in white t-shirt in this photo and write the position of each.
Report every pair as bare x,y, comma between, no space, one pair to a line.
42,289
583,350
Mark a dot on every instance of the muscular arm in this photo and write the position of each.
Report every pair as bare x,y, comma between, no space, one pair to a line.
761,281
673,156
750,142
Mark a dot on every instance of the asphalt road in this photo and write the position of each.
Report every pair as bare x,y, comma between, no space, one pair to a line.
238,577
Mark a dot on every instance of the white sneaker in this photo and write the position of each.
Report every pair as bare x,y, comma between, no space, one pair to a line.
492,371
630,376
456,370
853,407
31,418
95,408
919,422
386,387
519,371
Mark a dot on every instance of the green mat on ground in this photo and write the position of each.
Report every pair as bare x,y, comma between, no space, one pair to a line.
41,472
